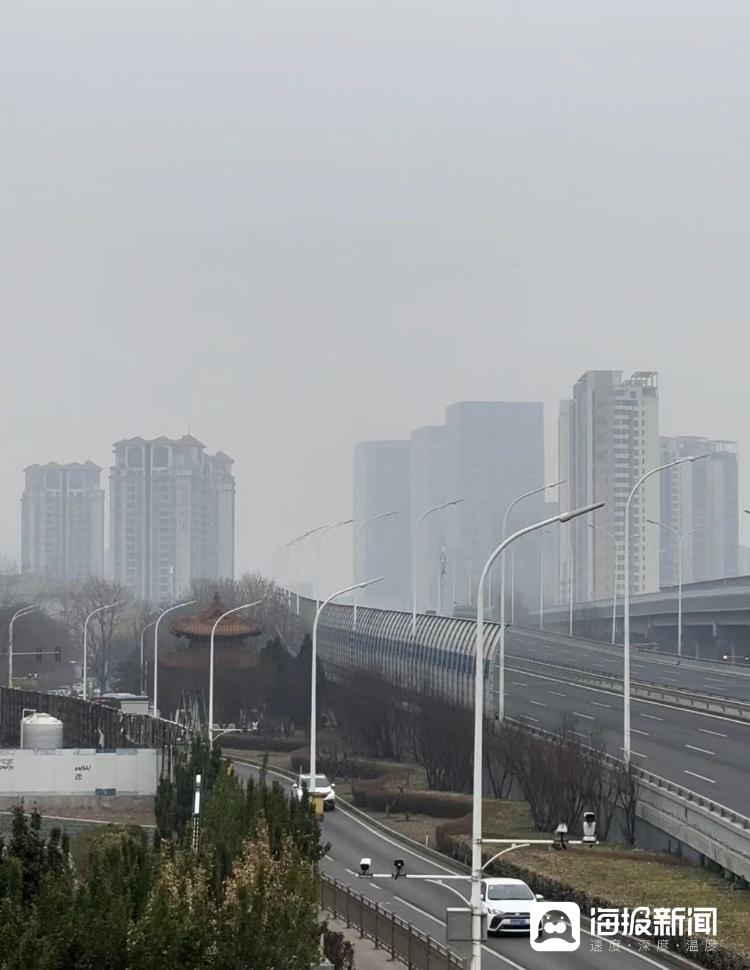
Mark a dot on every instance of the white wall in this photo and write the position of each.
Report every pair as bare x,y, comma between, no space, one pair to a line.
78,771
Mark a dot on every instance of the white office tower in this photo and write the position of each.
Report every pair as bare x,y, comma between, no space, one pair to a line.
62,527
608,438
171,516
702,496
381,485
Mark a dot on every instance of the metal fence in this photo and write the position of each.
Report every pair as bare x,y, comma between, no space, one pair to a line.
399,938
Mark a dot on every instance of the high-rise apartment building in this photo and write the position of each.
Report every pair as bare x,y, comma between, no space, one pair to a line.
701,496
62,528
609,437
171,516
381,484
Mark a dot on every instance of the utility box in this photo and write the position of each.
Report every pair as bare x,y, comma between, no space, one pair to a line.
458,925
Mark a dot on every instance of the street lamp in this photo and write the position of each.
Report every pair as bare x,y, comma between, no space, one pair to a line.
626,599
373,518
476,833
143,679
680,539
420,520
24,611
322,532
313,675
157,621
235,609
99,609
513,504
293,542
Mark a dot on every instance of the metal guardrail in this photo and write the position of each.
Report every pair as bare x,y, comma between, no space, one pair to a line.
647,690
401,939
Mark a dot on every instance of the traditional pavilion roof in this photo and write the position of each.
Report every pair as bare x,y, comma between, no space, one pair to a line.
199,626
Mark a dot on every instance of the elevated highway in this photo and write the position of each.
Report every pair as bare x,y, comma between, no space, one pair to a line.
691,744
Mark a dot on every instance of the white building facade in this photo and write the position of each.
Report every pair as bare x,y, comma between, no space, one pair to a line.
608,438
702,496
62,523
171,516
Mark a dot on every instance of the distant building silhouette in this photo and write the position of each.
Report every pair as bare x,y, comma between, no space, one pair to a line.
702,496
62,528
171,516
381,484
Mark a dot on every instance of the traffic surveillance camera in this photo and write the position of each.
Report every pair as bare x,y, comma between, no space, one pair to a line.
364,866
589,828
561,832
398,865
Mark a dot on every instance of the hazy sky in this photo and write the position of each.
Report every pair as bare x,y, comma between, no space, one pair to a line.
291,226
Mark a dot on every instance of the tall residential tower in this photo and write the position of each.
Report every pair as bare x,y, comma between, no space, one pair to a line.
608,438
171,516
62,528
703,496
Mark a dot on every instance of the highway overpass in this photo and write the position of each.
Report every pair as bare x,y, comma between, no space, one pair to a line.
715,617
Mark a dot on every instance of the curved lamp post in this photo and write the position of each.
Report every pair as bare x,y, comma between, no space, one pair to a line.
24,611
420,520
99,609
373,518
235,609
626,598
476,834
322,533
157,621
313,674
680,538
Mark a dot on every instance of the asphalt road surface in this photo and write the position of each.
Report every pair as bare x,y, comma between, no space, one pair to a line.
423,903
705,678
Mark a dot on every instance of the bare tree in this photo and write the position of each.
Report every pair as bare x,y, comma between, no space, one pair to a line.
81,601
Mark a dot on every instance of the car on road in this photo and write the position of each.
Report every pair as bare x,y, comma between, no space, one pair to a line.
321,789
507,903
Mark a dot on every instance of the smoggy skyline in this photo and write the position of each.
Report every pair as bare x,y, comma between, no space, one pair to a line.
288,229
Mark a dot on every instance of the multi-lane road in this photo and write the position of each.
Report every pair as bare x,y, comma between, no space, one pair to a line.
694,675
704,752
423,903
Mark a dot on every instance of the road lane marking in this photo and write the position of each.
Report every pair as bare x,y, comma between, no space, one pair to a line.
557,693
375,885
578,733
702,750
538,704
652,717
519,683
350,871
330,858
644,733
636,753
696,775
587,716
717,734
530,718
598,704
418,909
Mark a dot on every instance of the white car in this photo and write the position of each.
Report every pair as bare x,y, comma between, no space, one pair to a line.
321,789
507,903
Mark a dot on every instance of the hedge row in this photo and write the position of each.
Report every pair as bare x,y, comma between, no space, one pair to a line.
453,845
378,797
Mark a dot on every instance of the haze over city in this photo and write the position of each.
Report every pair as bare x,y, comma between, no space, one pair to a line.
287,229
